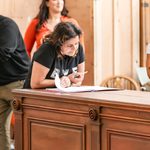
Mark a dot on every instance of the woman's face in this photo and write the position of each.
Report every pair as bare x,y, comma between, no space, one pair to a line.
70,47
56,6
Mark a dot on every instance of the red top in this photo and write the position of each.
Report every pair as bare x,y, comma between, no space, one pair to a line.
32,35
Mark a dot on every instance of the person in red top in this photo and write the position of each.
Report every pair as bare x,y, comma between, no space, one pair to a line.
51,13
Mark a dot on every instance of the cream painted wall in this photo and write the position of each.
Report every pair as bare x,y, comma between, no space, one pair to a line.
116,33
22,11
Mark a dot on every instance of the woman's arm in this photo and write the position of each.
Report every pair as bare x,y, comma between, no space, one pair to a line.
39,73
148,65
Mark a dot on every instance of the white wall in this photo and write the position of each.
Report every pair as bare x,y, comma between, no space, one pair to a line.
22,11
116,33
116,36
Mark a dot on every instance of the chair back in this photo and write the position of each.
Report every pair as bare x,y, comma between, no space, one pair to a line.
121,82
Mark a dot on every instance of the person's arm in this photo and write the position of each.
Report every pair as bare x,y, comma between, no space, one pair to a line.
38,76
8,41
148,65
30,36
77,78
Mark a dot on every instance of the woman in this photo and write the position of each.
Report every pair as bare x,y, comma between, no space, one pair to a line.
61,54
50,14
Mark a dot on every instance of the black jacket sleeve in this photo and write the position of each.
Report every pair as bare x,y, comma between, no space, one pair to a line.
8,40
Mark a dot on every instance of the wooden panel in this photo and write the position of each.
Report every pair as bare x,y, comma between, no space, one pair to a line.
122,36
49,123
106,120
83,12
125,129
118,44
116,27
145,29
54,135
129,141
103,40
19,10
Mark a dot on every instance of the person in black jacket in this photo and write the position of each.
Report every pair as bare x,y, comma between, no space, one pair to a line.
14,63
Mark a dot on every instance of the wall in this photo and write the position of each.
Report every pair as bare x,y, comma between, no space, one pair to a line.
144,29
116,38
22,11
83,13
113,27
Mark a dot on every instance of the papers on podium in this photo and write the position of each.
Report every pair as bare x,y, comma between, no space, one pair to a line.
77,89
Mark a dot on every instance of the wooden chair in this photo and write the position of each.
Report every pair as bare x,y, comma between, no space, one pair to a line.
121,82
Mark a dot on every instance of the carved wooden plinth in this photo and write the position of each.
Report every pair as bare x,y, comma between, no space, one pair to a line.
93,114
16,104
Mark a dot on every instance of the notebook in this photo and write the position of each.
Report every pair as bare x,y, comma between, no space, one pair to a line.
78,89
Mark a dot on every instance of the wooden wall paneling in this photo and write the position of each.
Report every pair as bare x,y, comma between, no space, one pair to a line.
21,11
135,37
6,7
103,39
24,12
82,11
122,37
115,50
118,43
144,29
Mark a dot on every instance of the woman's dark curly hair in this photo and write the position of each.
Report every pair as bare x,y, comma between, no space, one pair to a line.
43,14
62,32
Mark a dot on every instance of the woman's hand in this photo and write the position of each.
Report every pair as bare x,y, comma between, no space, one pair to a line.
76,78
65,81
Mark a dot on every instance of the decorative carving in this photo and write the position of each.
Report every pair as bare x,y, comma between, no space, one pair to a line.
93,114
16,104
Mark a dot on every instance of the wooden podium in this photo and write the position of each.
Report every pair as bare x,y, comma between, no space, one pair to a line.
105,120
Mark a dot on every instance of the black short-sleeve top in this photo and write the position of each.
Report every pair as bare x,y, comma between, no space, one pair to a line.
46,55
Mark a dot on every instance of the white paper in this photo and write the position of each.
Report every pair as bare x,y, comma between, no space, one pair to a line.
142,75
77,89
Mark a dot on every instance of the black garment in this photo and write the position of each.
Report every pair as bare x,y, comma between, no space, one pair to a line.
46,55
14,61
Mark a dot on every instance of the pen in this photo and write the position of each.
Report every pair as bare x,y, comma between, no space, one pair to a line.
80,73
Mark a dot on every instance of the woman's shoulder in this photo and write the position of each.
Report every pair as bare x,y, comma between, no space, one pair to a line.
34,21
69,19
46,48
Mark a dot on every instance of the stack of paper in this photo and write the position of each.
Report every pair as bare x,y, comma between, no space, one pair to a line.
142,75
